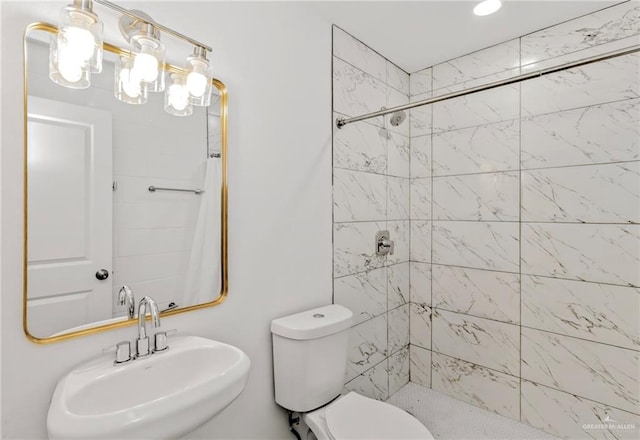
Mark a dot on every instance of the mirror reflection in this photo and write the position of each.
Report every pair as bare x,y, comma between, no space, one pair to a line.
118,195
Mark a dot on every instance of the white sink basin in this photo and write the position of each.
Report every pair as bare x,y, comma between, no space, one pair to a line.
163,396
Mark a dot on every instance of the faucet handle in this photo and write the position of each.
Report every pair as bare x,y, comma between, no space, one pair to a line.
160,340
142,347
123,352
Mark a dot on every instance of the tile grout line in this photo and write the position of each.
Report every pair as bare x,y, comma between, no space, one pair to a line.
520,233
431,242
532,222
333,214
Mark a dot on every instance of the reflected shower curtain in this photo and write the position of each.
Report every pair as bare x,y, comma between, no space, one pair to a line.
203,280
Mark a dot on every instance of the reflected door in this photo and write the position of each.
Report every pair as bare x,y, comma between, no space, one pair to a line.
70,216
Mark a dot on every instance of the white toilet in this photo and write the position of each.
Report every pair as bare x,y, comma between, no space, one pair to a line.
309,357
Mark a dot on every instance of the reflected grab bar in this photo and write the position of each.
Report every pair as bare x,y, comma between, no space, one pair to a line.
157,188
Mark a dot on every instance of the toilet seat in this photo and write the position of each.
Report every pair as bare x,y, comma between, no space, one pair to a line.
357,417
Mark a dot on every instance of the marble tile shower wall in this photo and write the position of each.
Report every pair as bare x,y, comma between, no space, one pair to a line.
525,231
370,194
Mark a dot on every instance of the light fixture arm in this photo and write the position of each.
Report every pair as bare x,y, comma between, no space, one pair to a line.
150,22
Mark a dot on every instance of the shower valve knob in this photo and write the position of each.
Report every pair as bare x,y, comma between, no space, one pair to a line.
384,245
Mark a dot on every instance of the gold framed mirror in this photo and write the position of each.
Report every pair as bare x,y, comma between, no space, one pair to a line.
117,195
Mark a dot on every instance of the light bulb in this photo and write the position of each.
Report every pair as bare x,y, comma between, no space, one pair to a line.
487,7
146,66
80,41
178,97
196,83
70,65
129,84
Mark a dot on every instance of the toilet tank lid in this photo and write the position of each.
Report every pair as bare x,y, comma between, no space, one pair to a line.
314,323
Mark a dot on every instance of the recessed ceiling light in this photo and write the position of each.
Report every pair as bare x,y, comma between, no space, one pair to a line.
487,7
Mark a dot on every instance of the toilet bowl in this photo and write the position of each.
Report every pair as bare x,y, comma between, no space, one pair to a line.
353,416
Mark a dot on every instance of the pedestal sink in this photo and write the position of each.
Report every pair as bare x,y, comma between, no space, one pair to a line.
163,396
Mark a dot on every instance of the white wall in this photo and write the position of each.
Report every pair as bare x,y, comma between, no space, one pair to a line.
275,60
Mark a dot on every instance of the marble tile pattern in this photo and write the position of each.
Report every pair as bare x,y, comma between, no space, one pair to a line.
519,288
367,345
398,156
571,417
353,247
599,372
373,383
421,199
583,194
480,149
597,312
420,282
480,108
605,81
420,82
420,118
396,98
399,233
420,153
486,294
482,245
360,147
481,197
398,365
610,24
489,64
364,293
371,193
471,383
420,367
398,193
398,331
601,133
485,342
589,252
358,54
356,92
421,241
359,196
420,325
398,293
397,78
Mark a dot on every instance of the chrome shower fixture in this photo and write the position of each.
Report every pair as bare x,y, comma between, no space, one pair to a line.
398,118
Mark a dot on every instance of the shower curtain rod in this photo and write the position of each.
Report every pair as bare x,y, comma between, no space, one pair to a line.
341,122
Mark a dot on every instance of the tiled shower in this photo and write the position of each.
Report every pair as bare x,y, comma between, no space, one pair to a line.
514,284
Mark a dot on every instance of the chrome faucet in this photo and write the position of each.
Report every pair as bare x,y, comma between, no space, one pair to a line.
126,298
142,344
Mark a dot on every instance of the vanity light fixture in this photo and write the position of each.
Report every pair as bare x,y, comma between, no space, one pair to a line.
487,7
76,52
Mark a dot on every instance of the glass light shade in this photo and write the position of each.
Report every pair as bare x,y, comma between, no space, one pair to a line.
149,61
198,80
81,32
66,68
128,85
176,96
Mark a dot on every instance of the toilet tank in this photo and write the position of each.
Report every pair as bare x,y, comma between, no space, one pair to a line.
310,356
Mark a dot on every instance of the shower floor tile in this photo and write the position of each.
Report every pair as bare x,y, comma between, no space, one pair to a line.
451,419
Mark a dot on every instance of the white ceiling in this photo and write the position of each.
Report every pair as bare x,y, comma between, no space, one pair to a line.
418,34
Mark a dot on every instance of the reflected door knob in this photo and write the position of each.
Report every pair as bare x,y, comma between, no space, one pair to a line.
102,274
